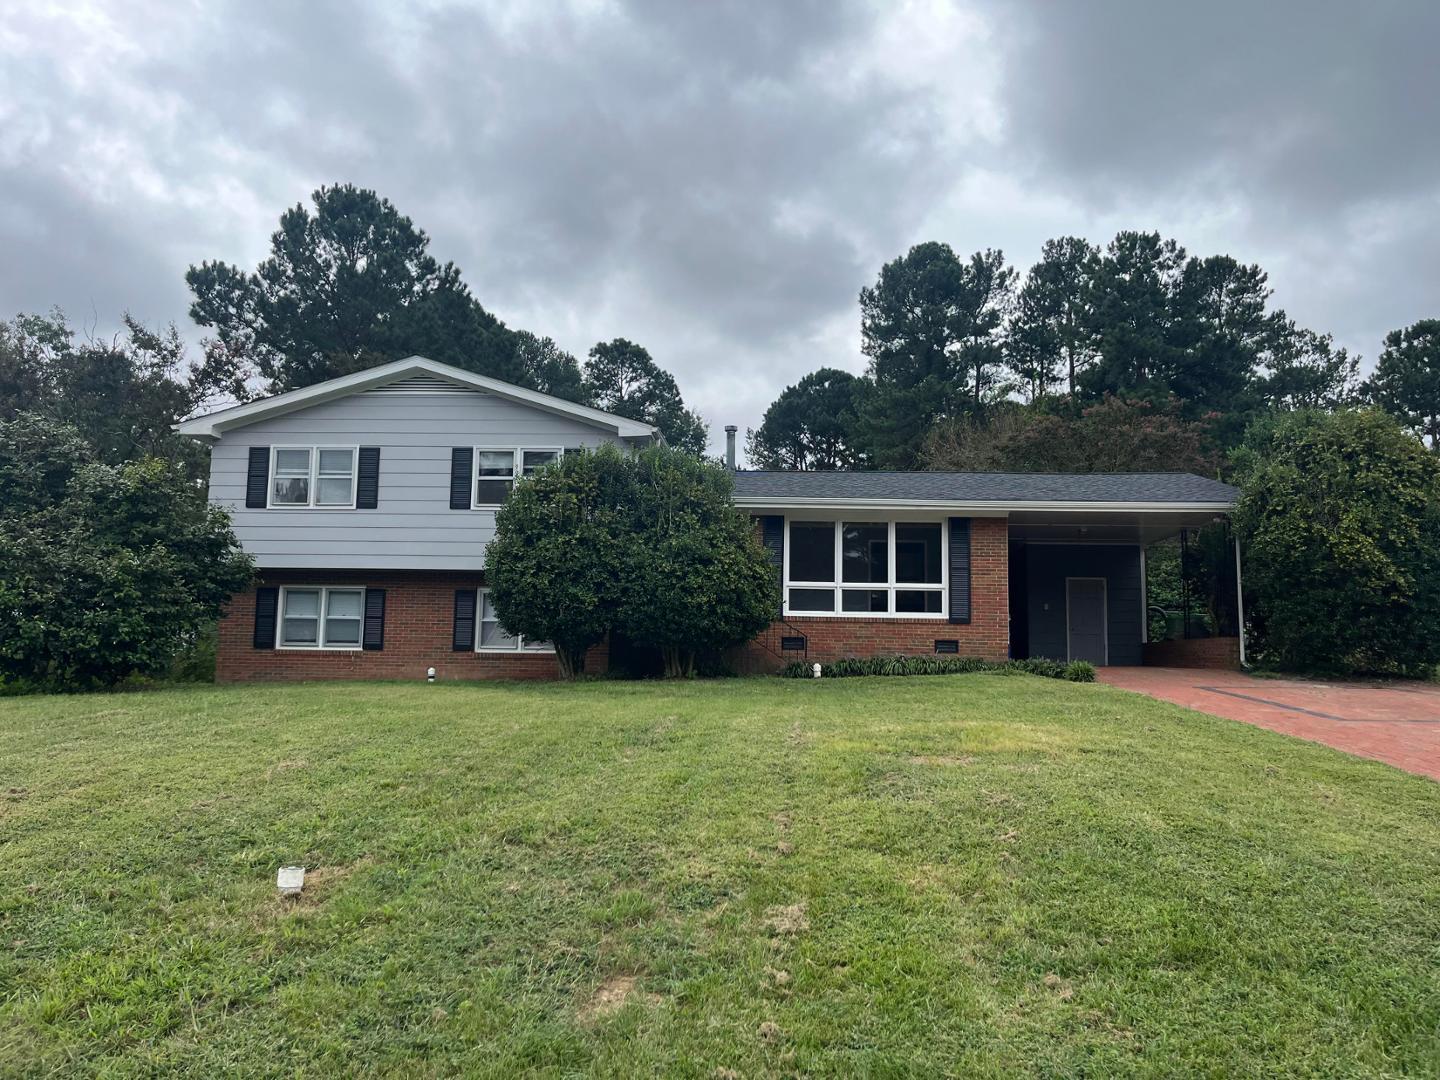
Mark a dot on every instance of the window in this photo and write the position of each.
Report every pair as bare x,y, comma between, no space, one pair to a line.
492,637
321,618
495,471
313,476
884,568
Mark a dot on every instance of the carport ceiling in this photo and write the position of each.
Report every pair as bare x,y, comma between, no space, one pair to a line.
1090,526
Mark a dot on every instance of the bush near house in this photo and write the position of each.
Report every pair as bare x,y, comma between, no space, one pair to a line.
106,571
1340,521
1073,671
650,545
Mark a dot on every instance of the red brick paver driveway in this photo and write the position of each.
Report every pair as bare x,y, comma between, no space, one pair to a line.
1398,723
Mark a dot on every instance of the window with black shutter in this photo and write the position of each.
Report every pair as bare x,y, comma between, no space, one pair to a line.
464,636
257,478
267,603
367,479
373,637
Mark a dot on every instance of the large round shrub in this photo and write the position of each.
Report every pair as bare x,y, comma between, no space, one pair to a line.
106,571
699,580
1339,521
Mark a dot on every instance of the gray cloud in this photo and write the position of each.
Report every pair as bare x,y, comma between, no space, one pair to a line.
717,181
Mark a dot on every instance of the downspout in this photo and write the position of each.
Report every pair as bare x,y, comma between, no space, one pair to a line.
1239,601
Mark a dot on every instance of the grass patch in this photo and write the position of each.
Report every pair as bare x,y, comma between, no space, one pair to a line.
964,875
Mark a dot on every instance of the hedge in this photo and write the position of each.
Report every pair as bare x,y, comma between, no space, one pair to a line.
1074,671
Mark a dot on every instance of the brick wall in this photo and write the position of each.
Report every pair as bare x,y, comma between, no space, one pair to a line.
1212,652
987,634
419,626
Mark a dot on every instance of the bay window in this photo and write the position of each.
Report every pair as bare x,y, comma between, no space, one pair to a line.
865,568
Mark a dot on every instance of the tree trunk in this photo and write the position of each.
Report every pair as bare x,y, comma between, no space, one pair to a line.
679,663
572,662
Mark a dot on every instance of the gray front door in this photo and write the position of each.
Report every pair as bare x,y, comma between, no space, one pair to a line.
1085,619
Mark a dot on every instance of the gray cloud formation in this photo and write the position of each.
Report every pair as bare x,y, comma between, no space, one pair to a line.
717,181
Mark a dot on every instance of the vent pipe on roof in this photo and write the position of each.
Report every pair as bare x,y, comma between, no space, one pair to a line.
730,430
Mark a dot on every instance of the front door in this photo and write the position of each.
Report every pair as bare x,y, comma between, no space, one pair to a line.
1085,619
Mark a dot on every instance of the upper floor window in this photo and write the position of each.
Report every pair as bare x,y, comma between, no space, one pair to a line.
313,476
865,568
497,469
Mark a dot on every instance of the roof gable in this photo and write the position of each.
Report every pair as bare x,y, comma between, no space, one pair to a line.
413,375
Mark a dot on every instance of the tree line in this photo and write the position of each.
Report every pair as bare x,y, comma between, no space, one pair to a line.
1135,355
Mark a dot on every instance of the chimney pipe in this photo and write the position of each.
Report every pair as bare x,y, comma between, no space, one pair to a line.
730,430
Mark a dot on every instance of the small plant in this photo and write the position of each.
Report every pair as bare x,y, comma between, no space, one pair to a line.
852,666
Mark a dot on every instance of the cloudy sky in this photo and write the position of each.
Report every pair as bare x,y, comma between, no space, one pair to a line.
717,181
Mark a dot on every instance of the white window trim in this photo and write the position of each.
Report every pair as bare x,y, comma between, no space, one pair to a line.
517,470
518,650
324,591
271,504
891,586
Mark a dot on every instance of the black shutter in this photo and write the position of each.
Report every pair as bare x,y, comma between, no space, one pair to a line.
464,621
959,570
373,638
267,603
367,479
462,473
772,535
257,478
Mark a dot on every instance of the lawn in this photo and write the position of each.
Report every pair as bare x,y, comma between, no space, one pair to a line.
974,875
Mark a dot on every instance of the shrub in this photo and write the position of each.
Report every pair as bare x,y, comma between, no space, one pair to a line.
1339,520
849,667
698,580
106,572
558,563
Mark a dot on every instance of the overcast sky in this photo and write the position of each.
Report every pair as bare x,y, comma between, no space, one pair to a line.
717,181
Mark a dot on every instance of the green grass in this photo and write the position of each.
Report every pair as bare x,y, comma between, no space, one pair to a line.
968,875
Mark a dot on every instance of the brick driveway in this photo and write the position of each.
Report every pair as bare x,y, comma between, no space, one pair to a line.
1398,723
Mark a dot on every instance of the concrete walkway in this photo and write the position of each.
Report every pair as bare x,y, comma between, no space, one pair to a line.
1398,723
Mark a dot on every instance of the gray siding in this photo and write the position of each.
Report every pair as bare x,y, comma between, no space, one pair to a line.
413,528
1047,567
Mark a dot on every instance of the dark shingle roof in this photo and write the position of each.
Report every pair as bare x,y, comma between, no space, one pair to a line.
1167,487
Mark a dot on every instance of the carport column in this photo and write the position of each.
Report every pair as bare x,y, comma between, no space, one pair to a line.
1239,600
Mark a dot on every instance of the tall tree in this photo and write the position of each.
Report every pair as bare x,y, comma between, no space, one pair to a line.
1129,311
1300,369
1048,343
1406,383
622,378
122,395
930,326
548,368
988,300
811,425
1218,329
349,286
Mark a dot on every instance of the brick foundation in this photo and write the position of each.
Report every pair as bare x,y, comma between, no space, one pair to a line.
987,635
1211,652
419,629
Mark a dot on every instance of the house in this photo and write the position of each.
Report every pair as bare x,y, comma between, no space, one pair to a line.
367,502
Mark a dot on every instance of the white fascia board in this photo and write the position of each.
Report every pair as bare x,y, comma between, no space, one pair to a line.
988,508
213,425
